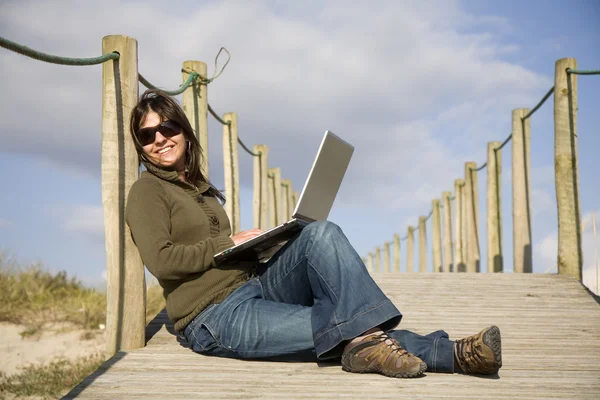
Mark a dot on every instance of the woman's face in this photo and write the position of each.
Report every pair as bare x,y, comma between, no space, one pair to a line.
168,152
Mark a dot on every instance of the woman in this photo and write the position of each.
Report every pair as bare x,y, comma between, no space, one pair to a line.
314,299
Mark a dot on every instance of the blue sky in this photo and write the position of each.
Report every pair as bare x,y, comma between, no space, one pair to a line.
418,88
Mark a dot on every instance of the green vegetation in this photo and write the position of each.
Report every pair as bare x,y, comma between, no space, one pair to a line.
33,297
50,380
37,299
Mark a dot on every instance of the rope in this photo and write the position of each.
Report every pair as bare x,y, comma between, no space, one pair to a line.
49,58
247,149
504,143
215,75
539,104
214,114
480,168
583,72
193,76
429,216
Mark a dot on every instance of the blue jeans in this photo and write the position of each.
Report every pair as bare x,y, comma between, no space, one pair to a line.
312,296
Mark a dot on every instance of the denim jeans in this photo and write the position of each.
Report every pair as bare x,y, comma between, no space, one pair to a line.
307,301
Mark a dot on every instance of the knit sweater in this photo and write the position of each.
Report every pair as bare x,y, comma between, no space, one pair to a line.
177,231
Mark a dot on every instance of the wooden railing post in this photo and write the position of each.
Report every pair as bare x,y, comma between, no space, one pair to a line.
294,198
396,253
447,232
231,171
386,256
260,200
459,226
422,245
286,200
378,259
570,257
285,206
195,106
494,213
436,236
370,265
410,250
521,178
126,287
472,215
274,189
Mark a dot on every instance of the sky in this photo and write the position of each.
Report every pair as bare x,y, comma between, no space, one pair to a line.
419,88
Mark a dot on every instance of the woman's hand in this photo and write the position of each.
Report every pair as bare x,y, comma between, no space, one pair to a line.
245,235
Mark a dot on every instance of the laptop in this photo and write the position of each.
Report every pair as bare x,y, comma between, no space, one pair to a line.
314,203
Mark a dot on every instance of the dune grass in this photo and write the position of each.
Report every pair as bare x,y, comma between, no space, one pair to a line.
33,297
50,380
37,299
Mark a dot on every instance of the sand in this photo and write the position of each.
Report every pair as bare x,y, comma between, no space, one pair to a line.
16,352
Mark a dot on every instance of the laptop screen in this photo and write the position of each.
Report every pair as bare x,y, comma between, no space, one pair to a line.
324,178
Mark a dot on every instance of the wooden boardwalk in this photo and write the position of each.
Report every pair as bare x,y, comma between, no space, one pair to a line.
550,328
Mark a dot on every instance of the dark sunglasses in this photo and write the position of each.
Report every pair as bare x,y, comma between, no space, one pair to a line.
167,128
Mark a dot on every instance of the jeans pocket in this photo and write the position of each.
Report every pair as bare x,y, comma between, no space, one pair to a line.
202,339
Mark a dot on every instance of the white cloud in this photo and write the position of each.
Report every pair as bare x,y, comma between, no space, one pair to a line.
541,201
402,81
83,219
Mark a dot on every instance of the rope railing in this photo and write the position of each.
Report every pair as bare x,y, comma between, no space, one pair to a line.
523,119
583,72
191,78
529,114
214,114
54,59
534,109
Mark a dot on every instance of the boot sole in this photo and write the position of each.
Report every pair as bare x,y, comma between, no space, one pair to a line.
493,340
421,371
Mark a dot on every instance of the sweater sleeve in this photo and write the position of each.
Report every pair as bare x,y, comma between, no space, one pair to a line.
148,217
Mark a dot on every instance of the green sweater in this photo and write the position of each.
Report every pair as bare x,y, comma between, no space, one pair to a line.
177,232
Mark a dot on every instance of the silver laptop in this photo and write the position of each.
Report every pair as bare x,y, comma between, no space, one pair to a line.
314,204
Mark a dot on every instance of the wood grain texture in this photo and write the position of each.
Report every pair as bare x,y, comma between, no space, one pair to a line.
550,338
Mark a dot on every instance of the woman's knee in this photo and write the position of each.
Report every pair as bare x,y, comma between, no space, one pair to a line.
323,230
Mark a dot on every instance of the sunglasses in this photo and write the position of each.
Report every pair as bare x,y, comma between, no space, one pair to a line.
167,128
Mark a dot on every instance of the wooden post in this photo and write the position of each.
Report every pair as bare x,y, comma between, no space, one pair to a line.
231,171
570,257
286,197
396,253
195,99
377,259
494,213
126,287
260,200
422,245
410,252
370,265
294,198
521,178
437,236
291,204
274,189
287,208
386,256
472,213
459,226
447,232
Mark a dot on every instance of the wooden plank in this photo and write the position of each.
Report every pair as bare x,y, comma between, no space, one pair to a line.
550,343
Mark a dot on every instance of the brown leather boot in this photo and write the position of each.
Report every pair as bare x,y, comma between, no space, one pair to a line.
480,353
381,354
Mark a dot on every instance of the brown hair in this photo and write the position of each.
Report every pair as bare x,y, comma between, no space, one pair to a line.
167,108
